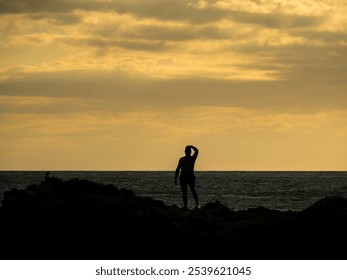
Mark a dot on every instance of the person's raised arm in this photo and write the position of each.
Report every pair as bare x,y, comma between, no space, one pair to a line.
196,151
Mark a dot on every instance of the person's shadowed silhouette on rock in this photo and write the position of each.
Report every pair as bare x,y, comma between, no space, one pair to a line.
187,177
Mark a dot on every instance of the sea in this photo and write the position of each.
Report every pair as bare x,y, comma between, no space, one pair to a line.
238,190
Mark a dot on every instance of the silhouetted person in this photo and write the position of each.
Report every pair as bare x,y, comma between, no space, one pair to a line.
187,177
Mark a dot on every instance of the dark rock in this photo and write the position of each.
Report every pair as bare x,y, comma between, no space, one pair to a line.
328,207
80,219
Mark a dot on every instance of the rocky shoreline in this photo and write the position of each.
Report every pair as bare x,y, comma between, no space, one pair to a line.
80,219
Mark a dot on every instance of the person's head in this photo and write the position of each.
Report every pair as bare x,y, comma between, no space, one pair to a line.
188,150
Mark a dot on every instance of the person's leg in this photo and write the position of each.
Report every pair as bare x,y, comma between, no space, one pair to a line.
183,184
195,194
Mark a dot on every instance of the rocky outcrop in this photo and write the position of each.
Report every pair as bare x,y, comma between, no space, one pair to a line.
80,219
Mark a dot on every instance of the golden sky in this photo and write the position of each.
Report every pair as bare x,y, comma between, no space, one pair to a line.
127,84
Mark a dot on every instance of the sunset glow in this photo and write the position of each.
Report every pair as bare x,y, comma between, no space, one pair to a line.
126,85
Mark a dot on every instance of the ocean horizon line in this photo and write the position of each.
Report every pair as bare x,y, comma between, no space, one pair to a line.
168,170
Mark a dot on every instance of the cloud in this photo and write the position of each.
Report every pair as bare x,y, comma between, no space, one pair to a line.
162,25
327,37
278,20
158,31
48,6
118,91
139,45
57,18
42,105
169,10
212,11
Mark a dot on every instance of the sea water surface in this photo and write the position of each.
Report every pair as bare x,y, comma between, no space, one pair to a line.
236,189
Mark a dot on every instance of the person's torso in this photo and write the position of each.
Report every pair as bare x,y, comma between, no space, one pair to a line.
187,166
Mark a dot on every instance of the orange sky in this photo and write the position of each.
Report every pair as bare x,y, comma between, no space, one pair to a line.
126,85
